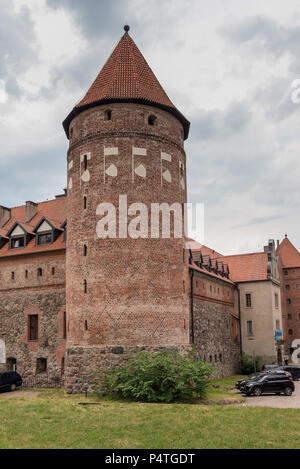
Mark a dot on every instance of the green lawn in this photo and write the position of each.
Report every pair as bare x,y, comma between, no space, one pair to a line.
55,420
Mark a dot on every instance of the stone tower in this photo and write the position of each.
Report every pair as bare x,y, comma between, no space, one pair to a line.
128,292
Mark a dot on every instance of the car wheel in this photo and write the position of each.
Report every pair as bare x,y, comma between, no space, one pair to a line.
257,391
288,391
12,387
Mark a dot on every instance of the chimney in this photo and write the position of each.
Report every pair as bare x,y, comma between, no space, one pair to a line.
31,210
5,215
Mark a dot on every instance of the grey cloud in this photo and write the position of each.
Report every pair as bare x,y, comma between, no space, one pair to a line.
96,17
17,43
35,174
257,221
218,124
265,35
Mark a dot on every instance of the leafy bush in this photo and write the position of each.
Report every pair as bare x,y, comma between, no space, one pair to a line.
157,377
247,364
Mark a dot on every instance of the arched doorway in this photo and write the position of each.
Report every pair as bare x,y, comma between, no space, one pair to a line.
11,364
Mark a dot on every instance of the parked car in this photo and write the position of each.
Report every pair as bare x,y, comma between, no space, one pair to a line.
10,380
278,371
292,369
270,383
269,367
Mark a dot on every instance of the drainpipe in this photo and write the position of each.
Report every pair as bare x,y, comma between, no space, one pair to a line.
192,305
240,321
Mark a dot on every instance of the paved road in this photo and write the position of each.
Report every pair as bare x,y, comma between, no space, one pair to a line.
18,394
271,400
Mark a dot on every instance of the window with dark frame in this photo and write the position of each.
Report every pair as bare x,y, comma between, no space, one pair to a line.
44,238
84,202
40,272
249,328
17,242
85,162
33,327
65,325
13,276
276,300
248,300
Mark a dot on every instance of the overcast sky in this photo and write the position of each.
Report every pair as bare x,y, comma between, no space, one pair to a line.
227,65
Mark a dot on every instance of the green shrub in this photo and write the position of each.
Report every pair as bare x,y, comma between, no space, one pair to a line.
250,364
157,377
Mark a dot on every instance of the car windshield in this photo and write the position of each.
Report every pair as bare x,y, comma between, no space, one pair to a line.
254,376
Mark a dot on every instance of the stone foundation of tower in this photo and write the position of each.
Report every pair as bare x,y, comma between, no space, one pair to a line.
84,363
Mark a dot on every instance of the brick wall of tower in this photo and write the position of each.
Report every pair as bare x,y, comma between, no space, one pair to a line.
137,289
29,294
290,304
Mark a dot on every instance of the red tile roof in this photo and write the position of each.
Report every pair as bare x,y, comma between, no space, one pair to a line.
126,77
247,267
211,274
289,255
53,210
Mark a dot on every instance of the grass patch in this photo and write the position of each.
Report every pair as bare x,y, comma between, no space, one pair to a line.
55,420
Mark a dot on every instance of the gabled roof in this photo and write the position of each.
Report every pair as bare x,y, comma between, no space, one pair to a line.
247,267
25,228
289,255
126,77
52,210
53,224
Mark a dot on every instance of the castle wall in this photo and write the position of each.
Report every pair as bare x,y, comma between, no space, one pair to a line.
216,325
29,294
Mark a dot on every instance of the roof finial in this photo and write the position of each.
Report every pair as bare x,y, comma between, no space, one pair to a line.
126,28
285,235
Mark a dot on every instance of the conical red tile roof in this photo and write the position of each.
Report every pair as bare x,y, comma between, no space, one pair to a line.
126,77
289,255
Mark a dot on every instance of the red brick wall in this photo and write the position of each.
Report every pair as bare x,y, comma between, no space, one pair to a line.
135,292
290,312
43,296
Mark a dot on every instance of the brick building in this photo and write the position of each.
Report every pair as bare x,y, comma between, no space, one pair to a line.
289,271
72,301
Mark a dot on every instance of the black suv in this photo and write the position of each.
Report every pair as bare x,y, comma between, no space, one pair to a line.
293,369
269,383
10,380
241,382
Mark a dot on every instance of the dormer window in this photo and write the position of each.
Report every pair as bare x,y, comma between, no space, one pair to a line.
44,233
17,237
